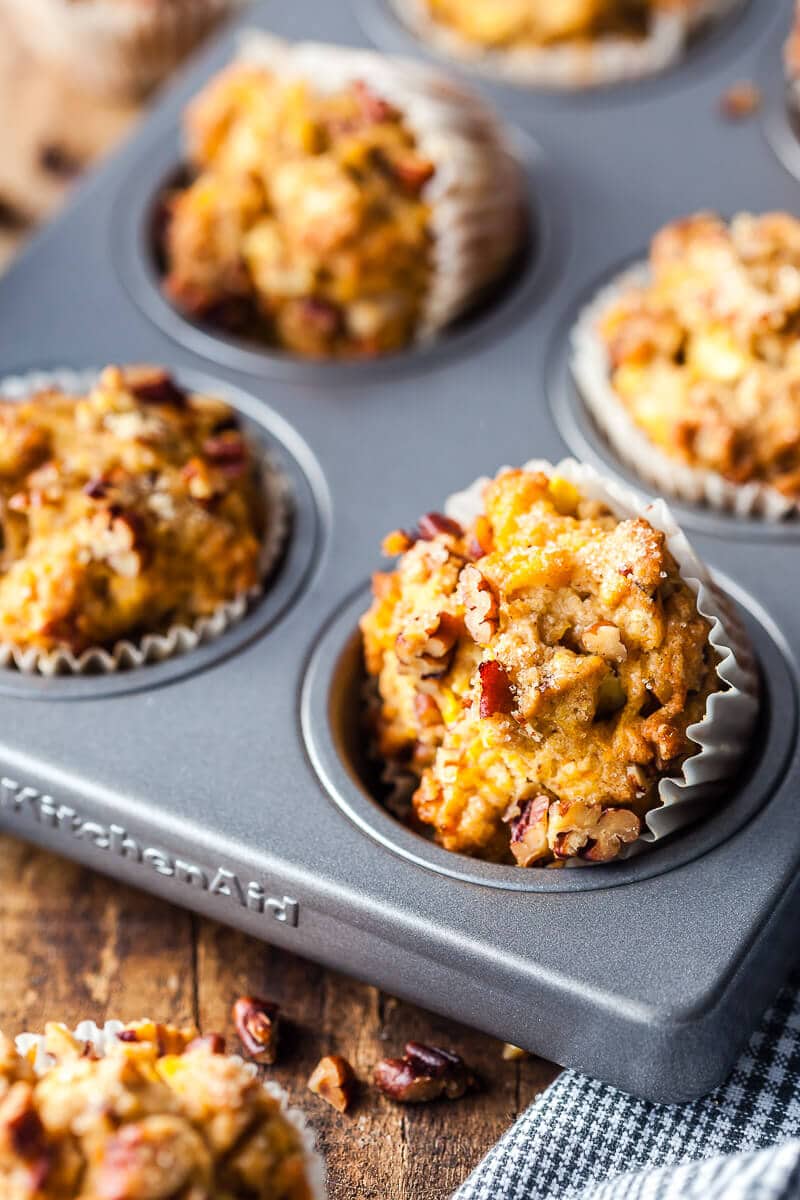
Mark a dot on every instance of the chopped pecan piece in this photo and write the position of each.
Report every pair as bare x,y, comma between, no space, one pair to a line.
257,1024
431,654
480,604
96,488
59,160
199,479
529,831
616,828
600,840
374,109
118,539
604,639
413,172
22,1132
426,709
158,388
226,447
434,523
740,101
334,1081
497,695
424,1073
322,316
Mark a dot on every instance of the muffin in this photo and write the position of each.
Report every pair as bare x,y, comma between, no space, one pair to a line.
341,204
692,365
125,511
542,669
118,48
140,1112
572,44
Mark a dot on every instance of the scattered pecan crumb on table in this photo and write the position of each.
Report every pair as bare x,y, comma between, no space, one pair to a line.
740,101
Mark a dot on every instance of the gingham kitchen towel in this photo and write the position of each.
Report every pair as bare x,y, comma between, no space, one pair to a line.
583,1140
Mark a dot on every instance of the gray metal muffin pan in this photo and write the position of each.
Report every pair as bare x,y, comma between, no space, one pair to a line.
231,780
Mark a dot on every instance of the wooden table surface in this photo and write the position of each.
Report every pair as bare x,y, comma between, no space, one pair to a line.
75,945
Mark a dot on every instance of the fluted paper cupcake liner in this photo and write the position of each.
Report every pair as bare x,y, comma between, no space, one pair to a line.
101,1037
478,218
120,48
178,638
723,734
606,60
697,485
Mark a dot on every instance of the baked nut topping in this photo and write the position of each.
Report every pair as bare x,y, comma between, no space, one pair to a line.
334,1081
535,698
257,1023
704,356
163,1113
424,1073
306,223
122,512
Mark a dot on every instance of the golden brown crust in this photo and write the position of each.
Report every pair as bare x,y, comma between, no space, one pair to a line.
123,512
705,356
164,1114
537,673
305,224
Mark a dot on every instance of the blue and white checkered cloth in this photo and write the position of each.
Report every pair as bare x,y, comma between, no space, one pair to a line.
583,1140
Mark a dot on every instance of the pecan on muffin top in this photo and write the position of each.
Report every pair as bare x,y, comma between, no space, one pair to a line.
537,672
124,511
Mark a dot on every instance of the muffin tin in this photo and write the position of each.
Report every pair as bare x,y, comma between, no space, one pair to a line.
232,780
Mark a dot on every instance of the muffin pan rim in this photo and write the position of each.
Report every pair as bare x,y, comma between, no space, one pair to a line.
521,290
339,640
286,582
781,131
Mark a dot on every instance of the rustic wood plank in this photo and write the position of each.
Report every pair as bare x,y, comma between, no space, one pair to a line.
77,945
379,1150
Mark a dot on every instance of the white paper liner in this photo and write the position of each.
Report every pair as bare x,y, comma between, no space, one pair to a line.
478,217
178,639
101,1037
607,60
696,485
121,48
722,736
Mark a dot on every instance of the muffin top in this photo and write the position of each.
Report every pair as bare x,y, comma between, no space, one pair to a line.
123,512
705,355
164,1113
534,23
306,224
537,672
